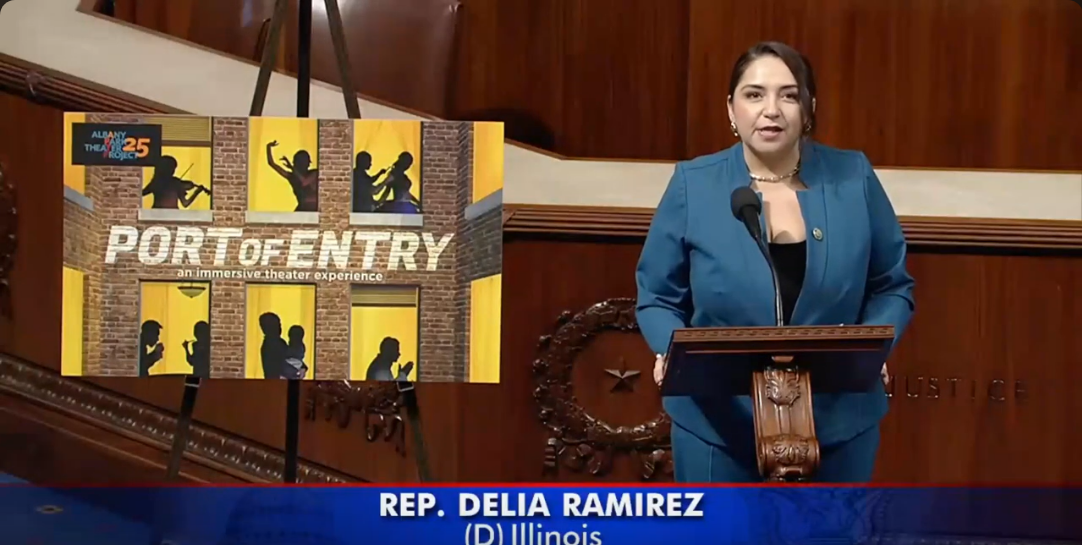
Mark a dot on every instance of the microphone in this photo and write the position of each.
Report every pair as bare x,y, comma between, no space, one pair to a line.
746,208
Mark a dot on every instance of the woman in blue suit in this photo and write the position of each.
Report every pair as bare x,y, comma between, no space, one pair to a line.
835,241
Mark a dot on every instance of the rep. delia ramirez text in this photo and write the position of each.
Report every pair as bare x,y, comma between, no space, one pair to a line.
491,515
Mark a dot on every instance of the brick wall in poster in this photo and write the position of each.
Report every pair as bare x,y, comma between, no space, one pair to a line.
82,246
480,243
116,195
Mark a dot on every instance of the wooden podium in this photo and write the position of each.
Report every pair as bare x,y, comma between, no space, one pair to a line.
776,366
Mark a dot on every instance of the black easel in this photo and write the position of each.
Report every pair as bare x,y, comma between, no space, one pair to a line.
184,425
353,110
304,84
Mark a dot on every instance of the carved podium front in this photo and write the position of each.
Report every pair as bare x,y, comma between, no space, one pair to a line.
777,364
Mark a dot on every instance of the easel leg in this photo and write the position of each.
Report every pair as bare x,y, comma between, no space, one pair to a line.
304,57
338,39
270,57
176,453
413,416
184,424
304,85
349,94
293,417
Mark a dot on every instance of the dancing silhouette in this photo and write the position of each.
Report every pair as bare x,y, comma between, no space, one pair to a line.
170,191
150,334
398,188
380,368
198,352
365,187
301,177
294,366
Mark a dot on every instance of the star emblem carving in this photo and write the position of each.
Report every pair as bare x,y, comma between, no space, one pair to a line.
625,378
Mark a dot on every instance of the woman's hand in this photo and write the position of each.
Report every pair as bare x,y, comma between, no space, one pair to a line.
885,375
660,364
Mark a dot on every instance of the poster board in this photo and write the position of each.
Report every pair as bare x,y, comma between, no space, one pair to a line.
263,247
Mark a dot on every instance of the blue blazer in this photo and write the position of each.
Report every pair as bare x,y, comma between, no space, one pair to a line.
700,268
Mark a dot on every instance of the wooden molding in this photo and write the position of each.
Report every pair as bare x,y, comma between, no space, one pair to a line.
40,84
44,85
919,231
149,425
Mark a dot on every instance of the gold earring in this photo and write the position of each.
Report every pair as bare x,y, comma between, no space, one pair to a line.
733,127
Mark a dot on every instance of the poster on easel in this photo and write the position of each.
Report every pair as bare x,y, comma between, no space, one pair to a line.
290,248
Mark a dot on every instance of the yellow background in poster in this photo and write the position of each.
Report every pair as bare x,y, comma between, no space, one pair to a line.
485,315
385,141
394,316
177,313
267,191
74,175
488,145
295,304
71,340
193,165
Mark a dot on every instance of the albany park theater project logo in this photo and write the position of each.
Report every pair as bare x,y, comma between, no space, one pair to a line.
282,248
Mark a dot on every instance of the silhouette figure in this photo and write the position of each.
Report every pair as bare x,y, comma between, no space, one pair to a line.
301,177
380,368
398,189
274,350
365,187
199,353
169,190
295,367
150,334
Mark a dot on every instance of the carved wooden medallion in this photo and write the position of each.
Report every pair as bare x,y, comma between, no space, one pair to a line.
578,440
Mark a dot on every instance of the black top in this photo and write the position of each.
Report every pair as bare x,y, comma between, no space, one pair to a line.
790,260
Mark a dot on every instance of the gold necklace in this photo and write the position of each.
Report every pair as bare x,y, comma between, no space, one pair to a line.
773,179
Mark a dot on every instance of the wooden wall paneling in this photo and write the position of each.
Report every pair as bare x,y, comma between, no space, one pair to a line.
41,446
37,174
400,52
38,397
981,380
943,232
625,78
511,68
1000,325
925,83
913,83
550,278
229,26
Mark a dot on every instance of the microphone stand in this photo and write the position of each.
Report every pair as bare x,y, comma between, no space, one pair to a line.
751,219
779,312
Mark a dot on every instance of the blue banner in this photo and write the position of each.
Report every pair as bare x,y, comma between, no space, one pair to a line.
541,515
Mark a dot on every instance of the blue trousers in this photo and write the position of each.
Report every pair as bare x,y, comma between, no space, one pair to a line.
696,461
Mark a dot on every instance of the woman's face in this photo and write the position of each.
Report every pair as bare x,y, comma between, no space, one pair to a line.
766,107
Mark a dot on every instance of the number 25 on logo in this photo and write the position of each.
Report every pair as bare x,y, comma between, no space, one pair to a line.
140,146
